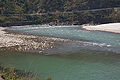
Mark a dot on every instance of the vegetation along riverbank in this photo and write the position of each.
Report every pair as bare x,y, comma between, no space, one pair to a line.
13,74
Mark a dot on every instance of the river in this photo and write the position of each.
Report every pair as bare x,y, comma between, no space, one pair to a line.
93,55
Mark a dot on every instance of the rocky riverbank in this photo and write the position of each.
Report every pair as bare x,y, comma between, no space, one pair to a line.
24,42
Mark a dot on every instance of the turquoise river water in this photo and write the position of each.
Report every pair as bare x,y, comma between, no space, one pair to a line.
98,60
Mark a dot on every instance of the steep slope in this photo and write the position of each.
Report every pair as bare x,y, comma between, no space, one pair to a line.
21,12
35,6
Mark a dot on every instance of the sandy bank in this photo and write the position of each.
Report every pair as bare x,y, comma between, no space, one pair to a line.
111,27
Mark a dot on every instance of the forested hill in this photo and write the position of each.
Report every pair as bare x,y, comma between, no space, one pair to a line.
21,12
40,6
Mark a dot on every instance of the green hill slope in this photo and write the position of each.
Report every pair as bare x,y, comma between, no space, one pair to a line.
35,6
59,11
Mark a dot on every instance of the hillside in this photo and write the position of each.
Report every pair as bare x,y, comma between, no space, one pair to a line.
59,11
36,6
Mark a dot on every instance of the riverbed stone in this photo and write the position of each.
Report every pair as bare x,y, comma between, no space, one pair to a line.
1,78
